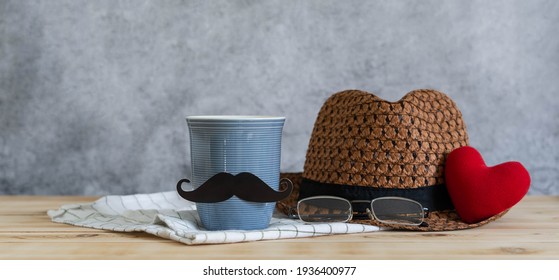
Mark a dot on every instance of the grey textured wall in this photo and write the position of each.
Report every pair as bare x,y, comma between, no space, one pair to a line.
93,94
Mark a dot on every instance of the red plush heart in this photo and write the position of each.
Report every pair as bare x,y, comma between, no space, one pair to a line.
478,191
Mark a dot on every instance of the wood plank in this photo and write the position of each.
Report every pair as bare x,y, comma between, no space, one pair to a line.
479,236
96,236
529,231
281,250
25,204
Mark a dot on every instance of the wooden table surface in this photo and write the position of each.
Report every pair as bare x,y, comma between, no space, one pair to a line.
529,231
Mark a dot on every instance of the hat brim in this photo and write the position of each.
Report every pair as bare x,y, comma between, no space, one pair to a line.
436,221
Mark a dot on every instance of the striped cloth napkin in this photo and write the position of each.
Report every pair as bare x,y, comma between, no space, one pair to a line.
167,215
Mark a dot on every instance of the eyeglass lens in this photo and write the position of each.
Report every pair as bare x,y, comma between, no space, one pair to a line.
394,210
324,210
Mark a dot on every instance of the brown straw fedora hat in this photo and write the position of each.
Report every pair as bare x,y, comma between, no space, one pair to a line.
363,147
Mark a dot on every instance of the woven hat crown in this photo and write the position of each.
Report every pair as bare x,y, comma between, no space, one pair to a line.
361,140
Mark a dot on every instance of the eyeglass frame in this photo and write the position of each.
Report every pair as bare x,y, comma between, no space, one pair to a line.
370,212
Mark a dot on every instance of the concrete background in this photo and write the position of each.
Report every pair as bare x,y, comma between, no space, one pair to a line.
93,94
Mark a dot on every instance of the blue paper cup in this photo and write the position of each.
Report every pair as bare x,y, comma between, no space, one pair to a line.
235,144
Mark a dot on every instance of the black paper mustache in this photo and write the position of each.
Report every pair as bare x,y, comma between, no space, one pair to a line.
246,186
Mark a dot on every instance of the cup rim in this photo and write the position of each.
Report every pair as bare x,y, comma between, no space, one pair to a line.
234,118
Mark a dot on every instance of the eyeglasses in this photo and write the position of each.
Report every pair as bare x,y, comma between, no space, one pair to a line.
387,210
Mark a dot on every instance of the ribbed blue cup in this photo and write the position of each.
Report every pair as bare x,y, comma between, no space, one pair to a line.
235,144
